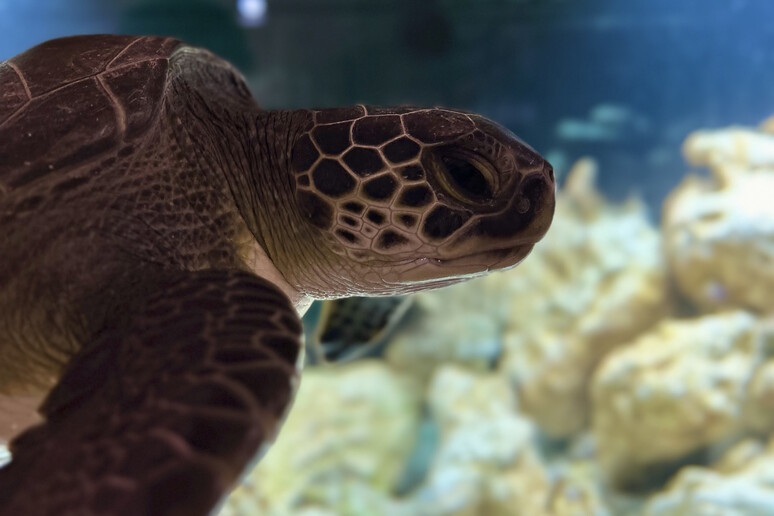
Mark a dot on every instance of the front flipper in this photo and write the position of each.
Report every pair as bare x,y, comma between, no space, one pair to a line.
163,416
354,327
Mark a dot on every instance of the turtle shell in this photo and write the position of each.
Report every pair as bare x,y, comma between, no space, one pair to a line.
68,100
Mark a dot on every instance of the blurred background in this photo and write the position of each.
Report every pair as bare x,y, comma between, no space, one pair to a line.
623,80
627,366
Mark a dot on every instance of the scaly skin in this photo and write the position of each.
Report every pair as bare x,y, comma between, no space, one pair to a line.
159,230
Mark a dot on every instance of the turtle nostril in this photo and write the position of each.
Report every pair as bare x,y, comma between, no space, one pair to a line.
467,178
550,171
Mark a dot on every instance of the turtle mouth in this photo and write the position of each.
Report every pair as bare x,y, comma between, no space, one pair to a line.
490,260
431,272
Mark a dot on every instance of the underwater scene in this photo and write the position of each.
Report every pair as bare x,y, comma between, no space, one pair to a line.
626,366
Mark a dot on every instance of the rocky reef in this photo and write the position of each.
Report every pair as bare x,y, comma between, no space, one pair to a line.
719,231
626,367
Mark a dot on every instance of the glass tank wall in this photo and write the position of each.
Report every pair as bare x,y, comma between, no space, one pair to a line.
625,367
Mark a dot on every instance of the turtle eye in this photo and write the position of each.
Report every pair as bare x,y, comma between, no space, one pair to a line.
465,176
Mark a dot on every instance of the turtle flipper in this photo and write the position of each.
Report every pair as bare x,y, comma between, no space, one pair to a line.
353,327
163,415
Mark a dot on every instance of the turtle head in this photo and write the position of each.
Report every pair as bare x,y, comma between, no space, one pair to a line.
404,199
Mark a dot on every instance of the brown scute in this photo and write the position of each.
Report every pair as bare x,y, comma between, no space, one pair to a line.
363,161
407,220
212,395
13,96
304,154
135,88
349,221
354,207
402,149
375,217
332,139
376,130
146,47
437,126
239,355
387,110
318,212
66,78
283,345
58,62
416,196
270,387
54,132
444,221
347,235
328,116
412,173
303,180
212,435
389,239
331,179
381,188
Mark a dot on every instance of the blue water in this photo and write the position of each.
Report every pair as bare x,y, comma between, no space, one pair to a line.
653,69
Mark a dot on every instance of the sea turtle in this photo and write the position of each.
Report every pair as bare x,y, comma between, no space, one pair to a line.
160,235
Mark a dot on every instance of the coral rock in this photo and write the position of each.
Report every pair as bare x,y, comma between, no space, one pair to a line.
734,145
759,399
486,462
446,329
577,491
744,489
672,391
719,232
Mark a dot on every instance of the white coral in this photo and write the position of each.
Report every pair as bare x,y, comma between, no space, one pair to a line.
745,490
672,391
719,232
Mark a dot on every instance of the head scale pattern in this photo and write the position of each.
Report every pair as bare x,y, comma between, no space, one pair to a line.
362,174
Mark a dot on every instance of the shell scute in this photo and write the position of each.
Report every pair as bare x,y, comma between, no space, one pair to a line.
136,90
13,94
58,62
143,49
68,100
52,134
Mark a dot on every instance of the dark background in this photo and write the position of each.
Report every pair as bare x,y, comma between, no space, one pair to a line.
669,66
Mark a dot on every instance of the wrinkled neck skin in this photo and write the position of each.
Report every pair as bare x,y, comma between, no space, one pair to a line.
265,197
260,263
